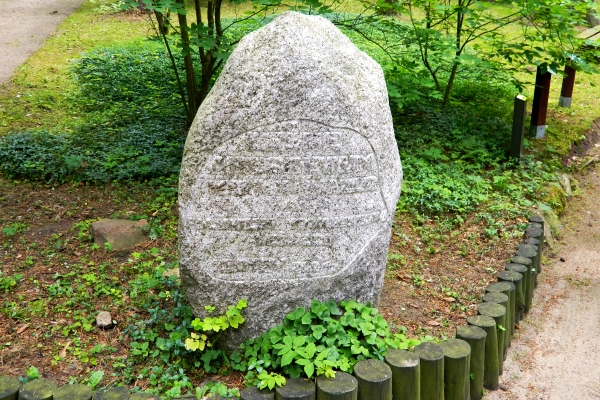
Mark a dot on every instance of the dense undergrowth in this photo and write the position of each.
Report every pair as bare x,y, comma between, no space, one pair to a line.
455,166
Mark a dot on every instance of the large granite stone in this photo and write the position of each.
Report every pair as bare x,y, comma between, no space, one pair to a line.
290,177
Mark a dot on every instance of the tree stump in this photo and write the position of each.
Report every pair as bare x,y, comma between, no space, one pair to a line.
343,387
536,243
497,312
9,388
528,278
254,393
39,389
520,289
457,354
73,392
431,358
406,374
535,232
475,336
116,393
514,278
506,288
296,389
374,380
491,370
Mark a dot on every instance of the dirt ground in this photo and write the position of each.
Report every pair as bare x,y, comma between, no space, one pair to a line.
558,353
25,25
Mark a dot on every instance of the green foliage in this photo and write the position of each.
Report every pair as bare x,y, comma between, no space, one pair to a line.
131,131
7,283
14,228
317,341
95,378
31,374
216,389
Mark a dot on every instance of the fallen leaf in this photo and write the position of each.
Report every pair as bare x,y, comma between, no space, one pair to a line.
433,323
63,352
21,329
449,299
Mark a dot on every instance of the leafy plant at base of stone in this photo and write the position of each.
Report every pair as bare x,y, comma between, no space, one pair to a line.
317,341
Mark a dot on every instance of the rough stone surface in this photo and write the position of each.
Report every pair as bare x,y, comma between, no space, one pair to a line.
290,177
120,233
104,320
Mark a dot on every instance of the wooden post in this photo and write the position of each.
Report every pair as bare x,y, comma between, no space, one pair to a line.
343,387
566,92
9,388
39,389
507,288
73,392
535,232
254,393
374,380
518,128
145,396
490,371
457,354
116,393
530,251
520,289
540,103
528,278
539,220
431,357
497,312
475,336
406,374
515,279
296,389
535,242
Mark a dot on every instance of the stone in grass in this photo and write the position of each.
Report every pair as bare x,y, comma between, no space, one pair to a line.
39,389
290,177
73,392
9,387
120,233
104,320
116,393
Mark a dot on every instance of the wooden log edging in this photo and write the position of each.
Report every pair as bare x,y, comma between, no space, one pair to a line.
457,368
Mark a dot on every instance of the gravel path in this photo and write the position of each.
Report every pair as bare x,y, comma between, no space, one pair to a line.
24,27
557,356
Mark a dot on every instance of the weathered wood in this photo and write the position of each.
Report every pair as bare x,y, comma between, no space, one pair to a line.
296,389
343,387
254,393
116,393
520,288
529,251
497,312
528,278
566,91
374,380
515,279
431,357
475,336
535,232
507,288
39,389
9,388
518,127
144,396
539,108
73,392
491,366
538,245
406,374
457,355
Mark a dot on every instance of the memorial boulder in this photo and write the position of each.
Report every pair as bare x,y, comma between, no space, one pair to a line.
290,177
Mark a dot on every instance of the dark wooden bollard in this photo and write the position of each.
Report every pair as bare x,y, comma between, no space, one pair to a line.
296,389
457,354
406,374
475,336
538,219
520,289
504,301
9,388
254,393
343,387
566,91
491,371
39,389
144,396
116,393
497,312
518,128
515,279
539,108
528,278
535,232
535,242
506,288
431,357
73,392
530,251
374,380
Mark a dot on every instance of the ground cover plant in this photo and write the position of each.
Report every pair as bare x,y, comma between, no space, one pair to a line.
104,138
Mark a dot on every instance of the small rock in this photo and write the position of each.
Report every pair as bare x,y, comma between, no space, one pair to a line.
562,259
120,233
104,320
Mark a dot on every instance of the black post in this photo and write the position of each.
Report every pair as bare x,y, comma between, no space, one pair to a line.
539,108
518,128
